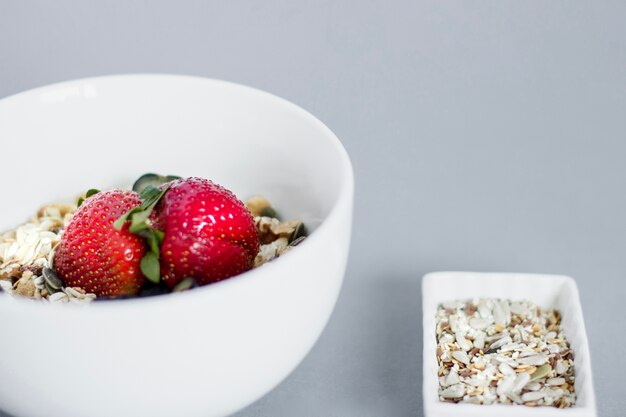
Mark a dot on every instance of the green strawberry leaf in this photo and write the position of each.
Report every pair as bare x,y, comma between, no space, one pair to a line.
139,221
153,242
88,194
154,180
119,223
150,195
139,217
159,235
150,267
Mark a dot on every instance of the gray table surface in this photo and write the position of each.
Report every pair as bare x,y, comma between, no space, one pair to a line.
485,136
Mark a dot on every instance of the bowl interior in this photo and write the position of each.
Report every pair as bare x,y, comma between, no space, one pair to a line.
60,140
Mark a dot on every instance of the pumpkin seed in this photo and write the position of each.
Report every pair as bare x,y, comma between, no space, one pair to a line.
541,372
52,279
298,232
297,241
185,284
269,212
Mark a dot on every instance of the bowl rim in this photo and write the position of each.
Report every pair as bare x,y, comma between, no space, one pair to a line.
344,196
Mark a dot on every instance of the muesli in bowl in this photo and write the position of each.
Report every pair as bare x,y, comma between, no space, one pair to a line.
167,234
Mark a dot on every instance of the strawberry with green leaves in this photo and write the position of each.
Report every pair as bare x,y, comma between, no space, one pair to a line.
197,230
209,235
96,256
172,230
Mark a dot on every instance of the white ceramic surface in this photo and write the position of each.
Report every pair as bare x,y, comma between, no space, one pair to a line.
554,291
206,352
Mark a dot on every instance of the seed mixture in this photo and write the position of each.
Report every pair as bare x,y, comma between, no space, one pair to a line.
26,258
501,351
27,252
276,237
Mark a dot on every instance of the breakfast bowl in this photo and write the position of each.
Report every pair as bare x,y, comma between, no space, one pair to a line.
209,351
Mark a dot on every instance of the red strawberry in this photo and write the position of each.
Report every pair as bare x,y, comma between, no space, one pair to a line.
94,255
209,233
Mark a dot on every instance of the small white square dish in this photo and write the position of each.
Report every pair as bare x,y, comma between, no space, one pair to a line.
548,291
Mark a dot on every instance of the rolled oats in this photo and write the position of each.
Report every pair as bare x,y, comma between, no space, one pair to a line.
26,255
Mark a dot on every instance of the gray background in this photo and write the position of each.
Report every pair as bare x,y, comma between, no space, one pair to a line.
484,136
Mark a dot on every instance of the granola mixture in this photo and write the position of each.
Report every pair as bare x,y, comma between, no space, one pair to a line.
27,253
276,237
501,351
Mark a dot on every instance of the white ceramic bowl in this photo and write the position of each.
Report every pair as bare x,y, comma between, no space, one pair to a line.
206,352
549,291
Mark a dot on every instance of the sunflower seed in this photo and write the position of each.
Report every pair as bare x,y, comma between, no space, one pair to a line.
554,348
498,314
505,385
561,367
58,297
461,356
521,380
452,378
506,369
464,344
532,396
484,308
555,381
535,360
74,293
454,391
480,323
479,340
499,343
